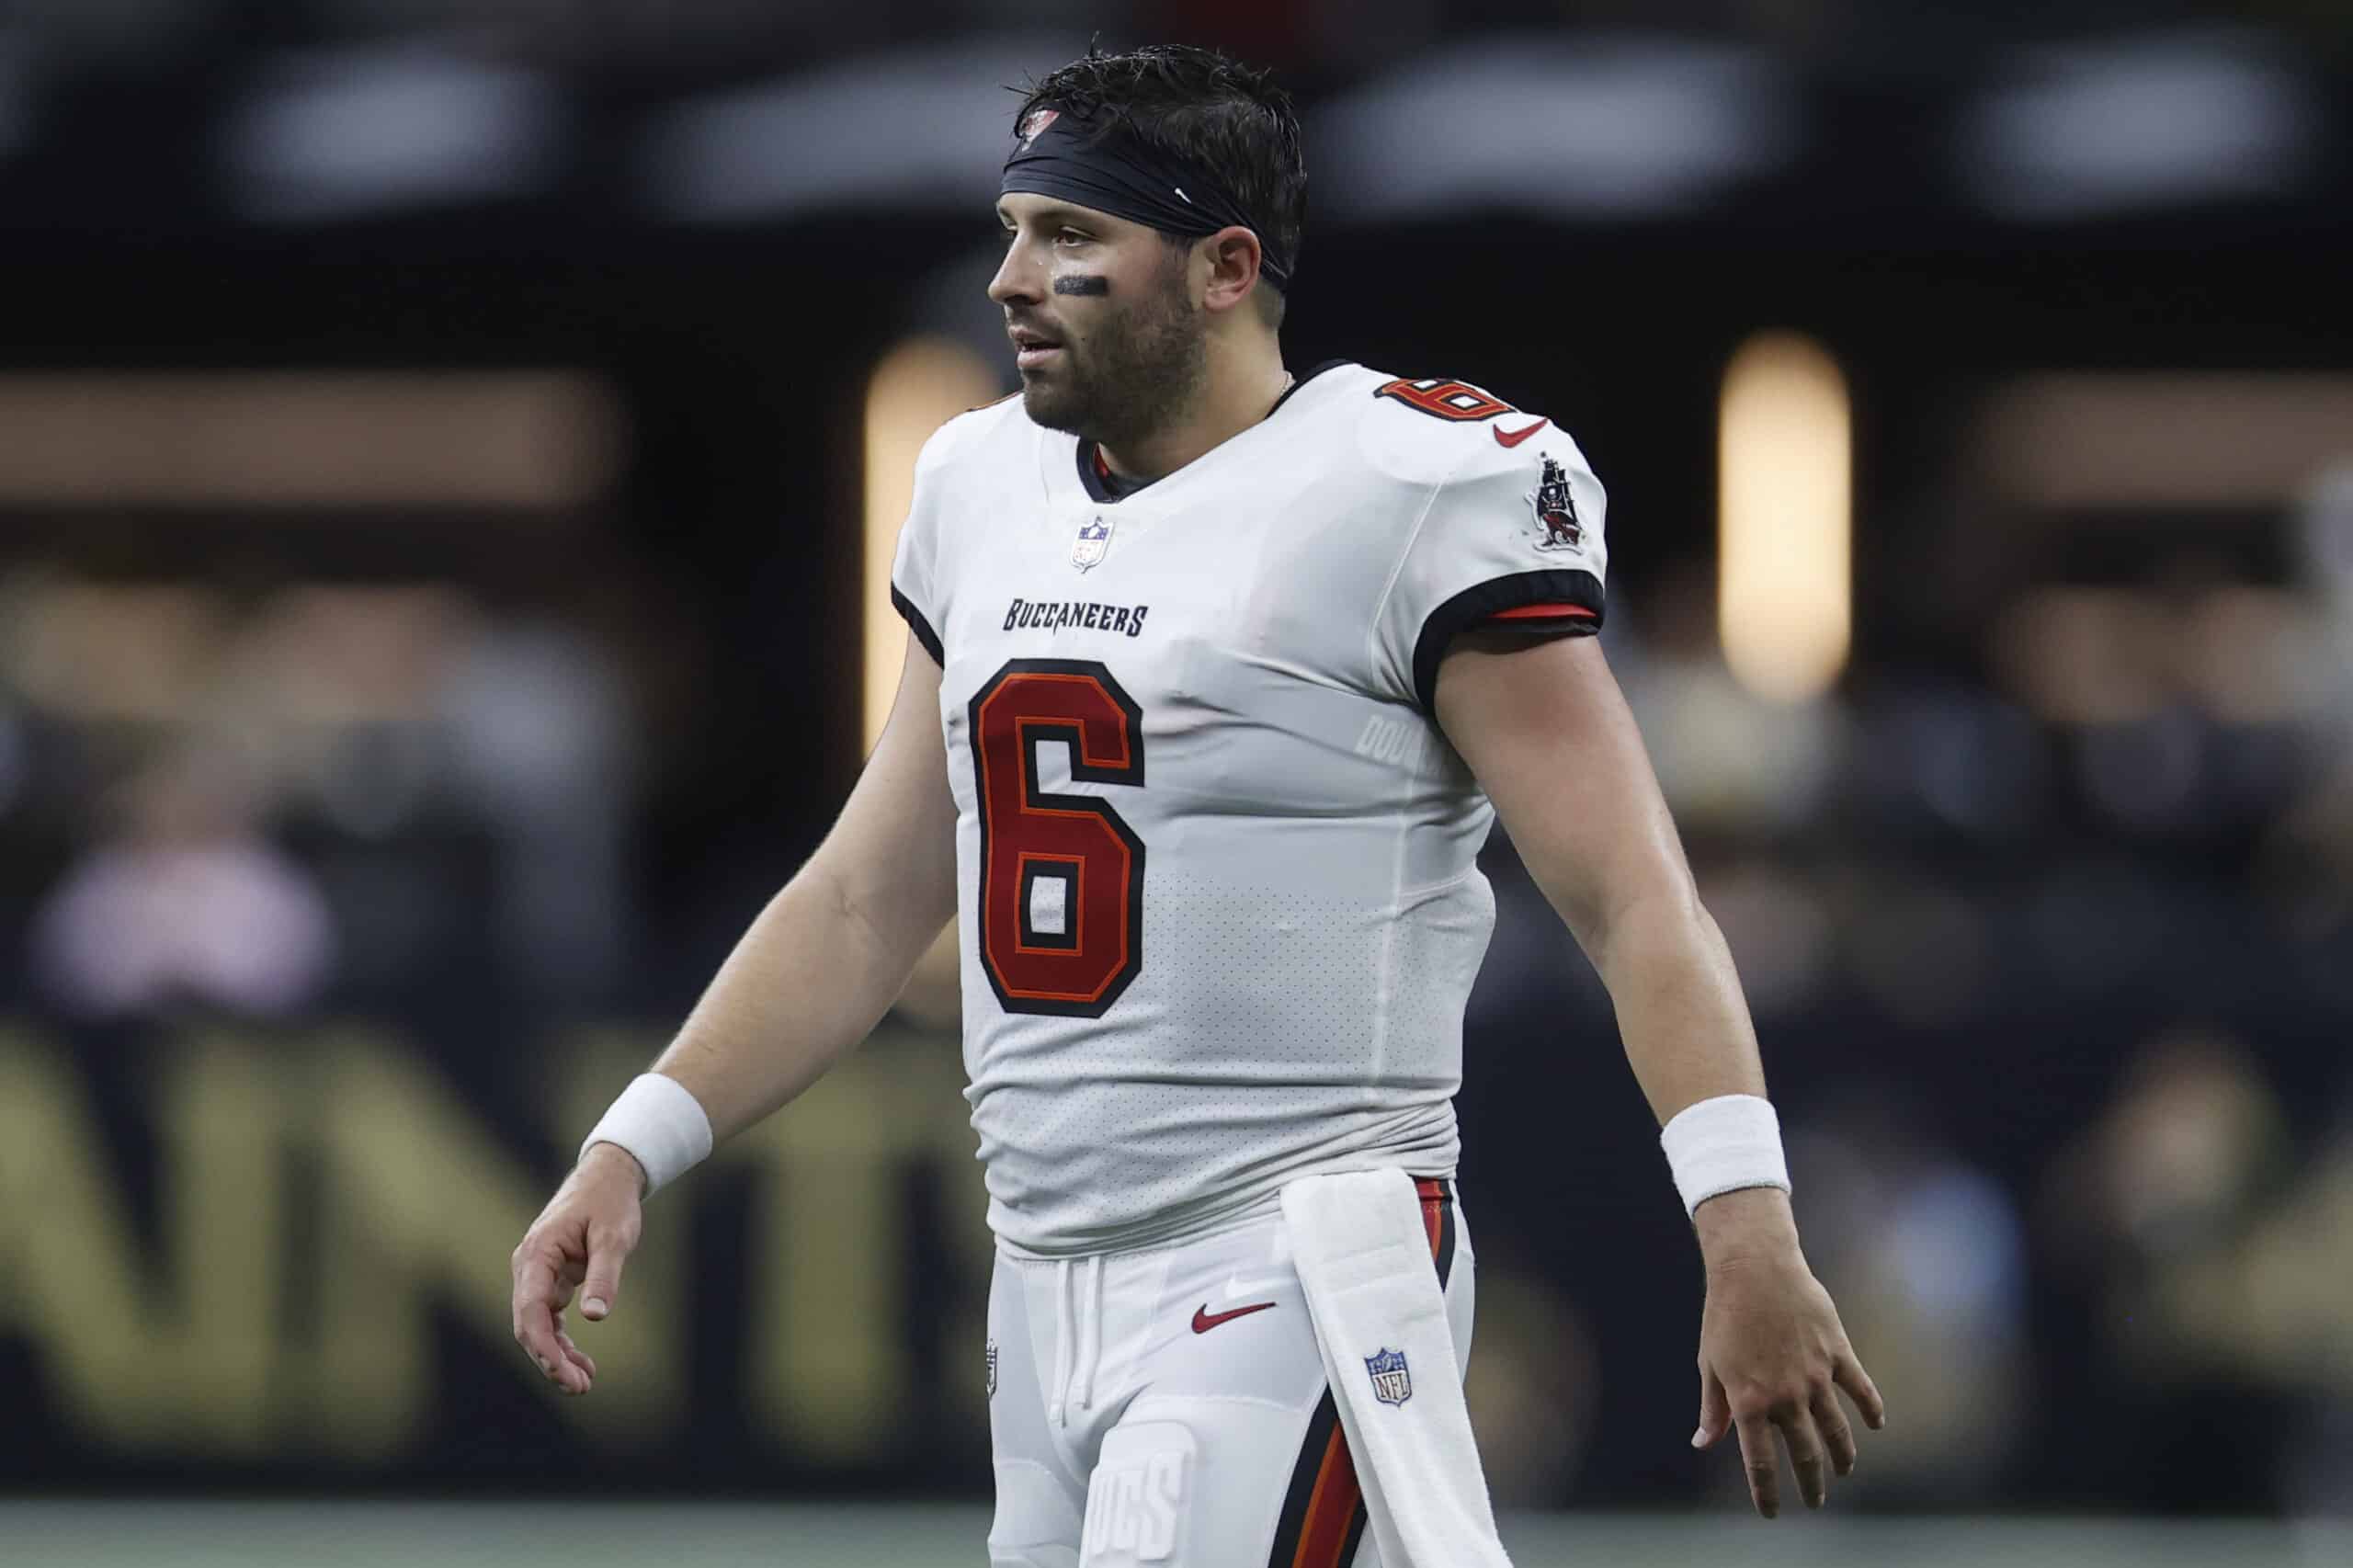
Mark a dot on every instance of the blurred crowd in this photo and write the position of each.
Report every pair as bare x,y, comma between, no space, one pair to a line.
2056,994
2045,908
2054,991
321,795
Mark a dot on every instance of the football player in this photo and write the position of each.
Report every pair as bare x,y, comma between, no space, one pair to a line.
1217,677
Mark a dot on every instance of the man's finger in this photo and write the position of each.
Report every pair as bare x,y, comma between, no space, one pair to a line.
1807,1461
578,1357
534,1325
1837,1436
603,1287
534,1322
1715,1410
1848,1374
1756,1455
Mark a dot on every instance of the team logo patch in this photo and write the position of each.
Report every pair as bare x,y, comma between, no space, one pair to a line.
1392,1384
1092,543
1035,126
992,1369
1556,509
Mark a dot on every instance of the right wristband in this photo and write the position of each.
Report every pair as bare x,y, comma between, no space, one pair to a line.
662,1125
1724,1145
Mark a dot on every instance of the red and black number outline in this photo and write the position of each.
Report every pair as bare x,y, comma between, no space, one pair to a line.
1080,970
1444,399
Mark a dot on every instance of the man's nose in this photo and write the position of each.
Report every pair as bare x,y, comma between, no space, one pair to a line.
1016,279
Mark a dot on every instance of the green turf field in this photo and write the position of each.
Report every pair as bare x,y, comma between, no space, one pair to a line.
85,1534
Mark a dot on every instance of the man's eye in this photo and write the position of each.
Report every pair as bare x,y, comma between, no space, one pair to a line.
1069,236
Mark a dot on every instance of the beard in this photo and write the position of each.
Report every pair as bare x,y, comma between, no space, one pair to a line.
1138,370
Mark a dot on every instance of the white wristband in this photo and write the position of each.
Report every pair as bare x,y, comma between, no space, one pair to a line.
661,1123
1724,1145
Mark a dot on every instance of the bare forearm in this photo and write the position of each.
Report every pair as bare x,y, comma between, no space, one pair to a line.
1688,1038
810,979
1680,1007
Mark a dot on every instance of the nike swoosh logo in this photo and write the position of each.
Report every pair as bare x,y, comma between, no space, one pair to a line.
1517,436
1205,1320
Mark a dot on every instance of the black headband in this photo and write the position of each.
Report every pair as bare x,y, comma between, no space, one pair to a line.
1119,175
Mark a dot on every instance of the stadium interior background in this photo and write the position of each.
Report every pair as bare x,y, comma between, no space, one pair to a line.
443,445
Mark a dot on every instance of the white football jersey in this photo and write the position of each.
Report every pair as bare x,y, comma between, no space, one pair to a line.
1220,907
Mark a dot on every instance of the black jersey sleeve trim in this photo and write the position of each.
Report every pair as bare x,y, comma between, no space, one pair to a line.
1476,603
919,626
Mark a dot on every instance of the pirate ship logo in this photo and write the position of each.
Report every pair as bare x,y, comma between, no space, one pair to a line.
1556,509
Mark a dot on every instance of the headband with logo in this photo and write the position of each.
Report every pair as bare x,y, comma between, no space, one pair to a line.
1118,174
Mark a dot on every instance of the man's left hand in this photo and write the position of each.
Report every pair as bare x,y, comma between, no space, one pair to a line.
1772,1352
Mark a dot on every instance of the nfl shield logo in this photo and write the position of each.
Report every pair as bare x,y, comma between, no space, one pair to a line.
1392,1382
992,1369
1094,539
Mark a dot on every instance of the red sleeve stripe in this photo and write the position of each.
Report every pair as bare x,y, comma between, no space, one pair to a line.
1542,612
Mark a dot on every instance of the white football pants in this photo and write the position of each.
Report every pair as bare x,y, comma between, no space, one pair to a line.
1169,1406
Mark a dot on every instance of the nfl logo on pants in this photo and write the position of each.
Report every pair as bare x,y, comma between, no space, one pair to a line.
1392,1384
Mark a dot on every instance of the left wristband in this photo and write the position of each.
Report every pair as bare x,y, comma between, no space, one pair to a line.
1724,1145
662,1125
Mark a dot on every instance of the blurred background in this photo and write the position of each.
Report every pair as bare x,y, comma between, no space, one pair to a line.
448,454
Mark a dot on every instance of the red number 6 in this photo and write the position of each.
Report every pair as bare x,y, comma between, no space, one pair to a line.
1061,876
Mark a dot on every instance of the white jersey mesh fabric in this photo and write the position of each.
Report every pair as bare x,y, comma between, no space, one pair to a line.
1220,905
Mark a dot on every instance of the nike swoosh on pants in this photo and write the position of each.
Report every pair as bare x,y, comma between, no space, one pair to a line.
1205,1320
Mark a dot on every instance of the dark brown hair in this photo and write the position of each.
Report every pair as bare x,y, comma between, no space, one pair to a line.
1204,108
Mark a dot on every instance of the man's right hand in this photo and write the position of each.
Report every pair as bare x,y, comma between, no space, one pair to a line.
578,1244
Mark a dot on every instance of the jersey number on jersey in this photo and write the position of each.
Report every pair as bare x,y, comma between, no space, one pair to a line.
1061,876
1445,399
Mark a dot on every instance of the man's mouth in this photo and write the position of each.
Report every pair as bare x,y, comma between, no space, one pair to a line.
1031,348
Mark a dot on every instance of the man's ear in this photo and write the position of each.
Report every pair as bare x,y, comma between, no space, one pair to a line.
1234,256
